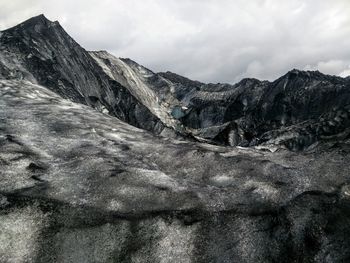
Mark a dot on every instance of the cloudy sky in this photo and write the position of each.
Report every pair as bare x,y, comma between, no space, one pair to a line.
207,40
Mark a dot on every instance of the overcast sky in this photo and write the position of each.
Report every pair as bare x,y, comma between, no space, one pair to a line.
207,40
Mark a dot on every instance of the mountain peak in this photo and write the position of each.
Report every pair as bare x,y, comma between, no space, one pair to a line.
40,17
299,72
304,74
295,70
39,20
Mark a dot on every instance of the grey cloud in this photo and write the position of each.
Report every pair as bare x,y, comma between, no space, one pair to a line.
213,41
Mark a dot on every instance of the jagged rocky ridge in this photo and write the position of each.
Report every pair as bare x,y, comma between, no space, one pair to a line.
295,111
80,185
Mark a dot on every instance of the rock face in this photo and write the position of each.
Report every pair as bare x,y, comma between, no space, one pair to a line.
41,51
80,185
141,82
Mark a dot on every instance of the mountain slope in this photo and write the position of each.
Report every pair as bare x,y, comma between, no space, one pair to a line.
41,51
294,111
135,78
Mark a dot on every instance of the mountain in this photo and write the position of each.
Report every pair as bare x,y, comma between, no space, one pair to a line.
40,51
295,111
104,160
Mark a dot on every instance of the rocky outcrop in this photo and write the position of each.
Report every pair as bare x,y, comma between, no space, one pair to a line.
81,186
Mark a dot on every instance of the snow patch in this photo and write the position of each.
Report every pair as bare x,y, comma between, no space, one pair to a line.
181,240
116,205
264,190
222,180
104,67
68,107
104,110
158,178
31,96
20,230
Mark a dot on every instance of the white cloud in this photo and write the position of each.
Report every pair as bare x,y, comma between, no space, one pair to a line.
332,67
345,73
216,41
